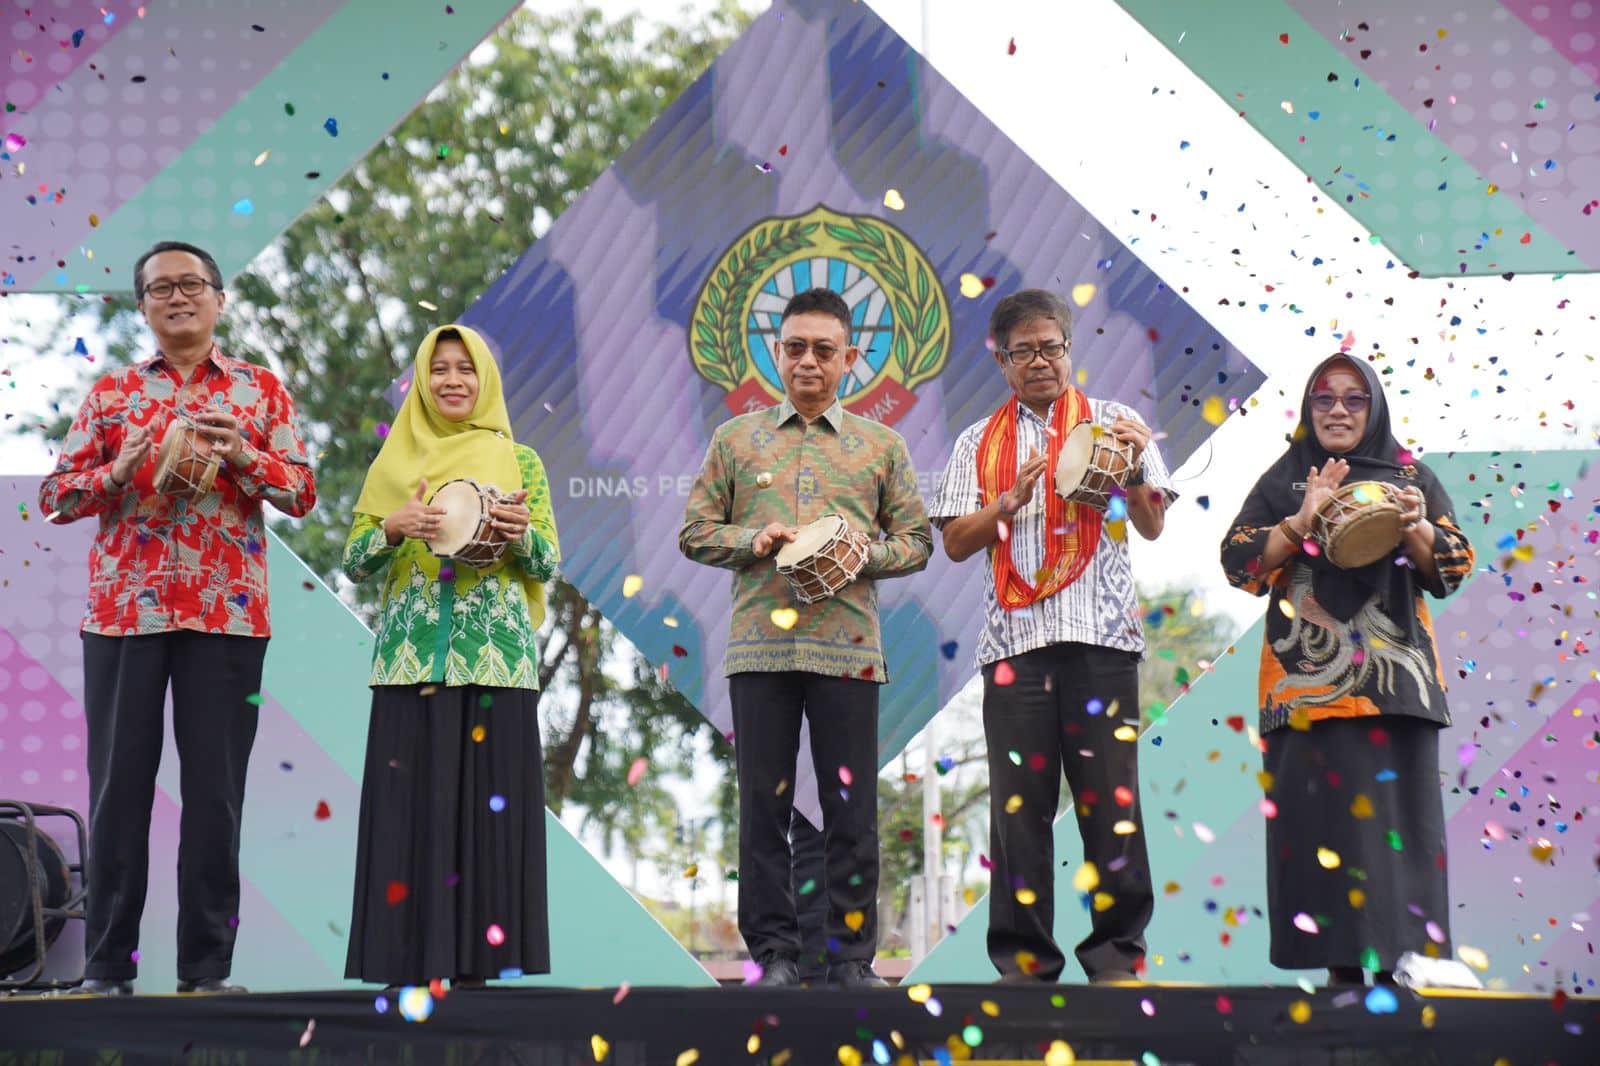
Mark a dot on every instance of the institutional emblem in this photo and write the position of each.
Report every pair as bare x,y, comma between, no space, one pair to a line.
900,317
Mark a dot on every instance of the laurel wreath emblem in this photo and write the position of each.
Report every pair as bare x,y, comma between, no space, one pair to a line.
921,314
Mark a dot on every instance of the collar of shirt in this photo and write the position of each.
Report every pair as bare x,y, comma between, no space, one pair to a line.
214,357
834,415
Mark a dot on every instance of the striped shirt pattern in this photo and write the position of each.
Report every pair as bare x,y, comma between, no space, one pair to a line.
1102,606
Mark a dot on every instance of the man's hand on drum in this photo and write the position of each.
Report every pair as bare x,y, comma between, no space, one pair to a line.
508,519
1019,495
769,538
1134,432
1320,484
227,443
135,446
416,519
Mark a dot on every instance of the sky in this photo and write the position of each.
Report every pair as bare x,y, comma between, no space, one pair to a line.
1104,108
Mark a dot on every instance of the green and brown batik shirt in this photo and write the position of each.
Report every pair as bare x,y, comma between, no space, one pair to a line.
774,466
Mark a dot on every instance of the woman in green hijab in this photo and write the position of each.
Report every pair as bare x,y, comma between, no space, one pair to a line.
450,861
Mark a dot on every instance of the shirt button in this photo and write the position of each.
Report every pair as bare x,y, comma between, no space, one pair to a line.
763,479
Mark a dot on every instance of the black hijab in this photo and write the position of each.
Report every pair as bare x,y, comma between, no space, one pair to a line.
1378,456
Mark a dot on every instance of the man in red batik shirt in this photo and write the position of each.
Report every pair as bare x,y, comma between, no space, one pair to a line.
177,594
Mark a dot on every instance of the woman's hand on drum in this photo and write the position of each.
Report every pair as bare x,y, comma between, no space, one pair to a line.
1320,485
770,537
508,519
1413,518
135,446
416,519
1020,495
1133,432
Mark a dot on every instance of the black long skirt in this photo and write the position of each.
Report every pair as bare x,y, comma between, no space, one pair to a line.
1353,882
450,858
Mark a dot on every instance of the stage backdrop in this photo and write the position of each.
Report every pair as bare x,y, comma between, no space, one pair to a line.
820,149
132,122
1519,763
1417,119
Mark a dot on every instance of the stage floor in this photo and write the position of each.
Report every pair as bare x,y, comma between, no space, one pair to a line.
1144,1025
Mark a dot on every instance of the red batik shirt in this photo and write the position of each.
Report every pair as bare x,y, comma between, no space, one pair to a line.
160,563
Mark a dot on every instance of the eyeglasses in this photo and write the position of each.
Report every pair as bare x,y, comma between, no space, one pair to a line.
1023,356
1354,402
796,349
189,286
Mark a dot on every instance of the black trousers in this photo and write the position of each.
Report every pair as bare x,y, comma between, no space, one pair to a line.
1037,727
806,848
124,694
843,715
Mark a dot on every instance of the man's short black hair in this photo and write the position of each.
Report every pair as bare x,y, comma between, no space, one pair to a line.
823,301
175,246
1026,306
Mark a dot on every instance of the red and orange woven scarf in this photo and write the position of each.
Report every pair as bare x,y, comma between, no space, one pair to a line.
1072,530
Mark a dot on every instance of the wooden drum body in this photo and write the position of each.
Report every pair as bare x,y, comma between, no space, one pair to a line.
466,533
1093,466
1359,524
823,558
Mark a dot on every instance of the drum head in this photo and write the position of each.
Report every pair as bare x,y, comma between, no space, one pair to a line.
810,539
1076,451
1365,538
167,453
463,505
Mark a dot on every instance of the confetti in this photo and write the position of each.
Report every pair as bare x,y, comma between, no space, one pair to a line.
785,617
1004,673
1300,1012
497,803
244,207
263,157
1214,410
631,586
894,201
1086,878
416,1005
846,778
1328,859
495,936
1082,294
1305,923
971,286
599,1047
855,920
1381,1001
636,771
427,305
396,893
15,142
324,812
332,126
948,649
311,1028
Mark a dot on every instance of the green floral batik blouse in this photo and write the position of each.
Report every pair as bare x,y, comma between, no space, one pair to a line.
455,625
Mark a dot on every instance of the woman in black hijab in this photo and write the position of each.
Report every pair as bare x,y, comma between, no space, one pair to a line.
1351,692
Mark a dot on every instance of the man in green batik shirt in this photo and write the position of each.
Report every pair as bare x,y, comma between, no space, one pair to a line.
765,475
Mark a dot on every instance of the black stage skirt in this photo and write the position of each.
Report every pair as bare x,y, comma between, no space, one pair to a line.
1389,883
450,860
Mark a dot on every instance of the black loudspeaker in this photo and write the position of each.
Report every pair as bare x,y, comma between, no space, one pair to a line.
36,890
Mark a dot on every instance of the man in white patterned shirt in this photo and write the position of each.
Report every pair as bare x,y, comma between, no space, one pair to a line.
1060,647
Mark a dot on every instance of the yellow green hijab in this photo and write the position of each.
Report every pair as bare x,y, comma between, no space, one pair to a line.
423,443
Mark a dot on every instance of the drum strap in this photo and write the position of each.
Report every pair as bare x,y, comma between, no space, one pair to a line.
1072,530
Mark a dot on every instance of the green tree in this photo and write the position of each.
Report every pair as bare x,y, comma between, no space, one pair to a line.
408,239
1183,638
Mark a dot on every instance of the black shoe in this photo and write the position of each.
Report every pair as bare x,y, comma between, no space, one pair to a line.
857,973
94,986
1114,977
209,986
779,971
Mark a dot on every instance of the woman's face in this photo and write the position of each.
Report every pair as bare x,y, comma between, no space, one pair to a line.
1339,407
453,380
